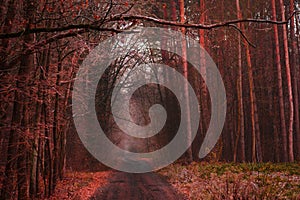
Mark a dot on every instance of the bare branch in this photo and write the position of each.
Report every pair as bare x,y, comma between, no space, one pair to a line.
200,26
57,29
143,18
242,34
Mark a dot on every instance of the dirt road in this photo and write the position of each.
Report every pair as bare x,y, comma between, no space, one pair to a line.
125,186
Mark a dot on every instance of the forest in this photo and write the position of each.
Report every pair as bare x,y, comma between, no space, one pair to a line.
215,82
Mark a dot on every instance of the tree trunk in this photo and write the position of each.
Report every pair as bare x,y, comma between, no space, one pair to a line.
36,135
294,65
27,69
47,153
289,85
17,151
280,90
185,74
8,189
203,89
255,132
56,132
241,126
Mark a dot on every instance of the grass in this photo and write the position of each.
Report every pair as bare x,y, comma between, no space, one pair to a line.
235,181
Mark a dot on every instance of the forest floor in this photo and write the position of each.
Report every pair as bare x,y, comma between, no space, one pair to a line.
235,181
194,181
80,185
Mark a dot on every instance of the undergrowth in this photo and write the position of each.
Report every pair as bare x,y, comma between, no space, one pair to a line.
235,181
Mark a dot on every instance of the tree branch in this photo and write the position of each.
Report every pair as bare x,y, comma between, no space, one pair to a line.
200,26
242,34
143,18
57,29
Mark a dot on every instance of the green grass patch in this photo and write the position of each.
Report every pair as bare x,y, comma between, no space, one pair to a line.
235,180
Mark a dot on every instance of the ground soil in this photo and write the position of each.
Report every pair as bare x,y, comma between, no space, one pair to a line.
136,187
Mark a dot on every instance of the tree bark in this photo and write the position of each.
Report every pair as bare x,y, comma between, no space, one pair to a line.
17,150
255,131
185,74
294,64
289,85
27,69
280,90
56,134
203,90
241,126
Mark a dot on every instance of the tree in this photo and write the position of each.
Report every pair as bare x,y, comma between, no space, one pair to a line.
289,85
185,74
241,126
280,91
43,44
255,131
295,78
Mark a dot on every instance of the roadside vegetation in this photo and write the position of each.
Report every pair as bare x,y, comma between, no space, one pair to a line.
235,181
79,185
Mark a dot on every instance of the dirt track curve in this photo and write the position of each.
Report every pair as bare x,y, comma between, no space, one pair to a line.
125,186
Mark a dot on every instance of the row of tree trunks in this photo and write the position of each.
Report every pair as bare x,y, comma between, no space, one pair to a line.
280,90
284,138
255,131
35,140
286,133
16,168
37,137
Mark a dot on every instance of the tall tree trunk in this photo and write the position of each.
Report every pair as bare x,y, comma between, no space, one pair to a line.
56,132
185,74
47,153
203,90
294,65
272,106
280,90
241,126
27,69
36,134
289,85
66,127
9,188
255,131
